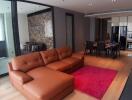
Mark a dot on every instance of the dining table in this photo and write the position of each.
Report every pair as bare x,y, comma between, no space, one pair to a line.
110,47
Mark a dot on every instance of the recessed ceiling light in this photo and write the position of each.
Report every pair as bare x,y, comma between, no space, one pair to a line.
90,4
114,1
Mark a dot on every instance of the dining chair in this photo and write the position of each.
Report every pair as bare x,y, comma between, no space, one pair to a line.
101,48
89,47
116,50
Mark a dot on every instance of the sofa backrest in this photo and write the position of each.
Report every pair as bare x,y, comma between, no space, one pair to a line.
27,62
64,52
49,56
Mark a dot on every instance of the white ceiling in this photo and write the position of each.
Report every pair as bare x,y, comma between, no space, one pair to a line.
24,8
27,8
83,6
89,6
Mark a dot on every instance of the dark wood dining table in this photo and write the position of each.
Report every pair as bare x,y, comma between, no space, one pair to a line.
107,45
110,47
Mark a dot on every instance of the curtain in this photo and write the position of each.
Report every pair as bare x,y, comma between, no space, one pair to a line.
2,35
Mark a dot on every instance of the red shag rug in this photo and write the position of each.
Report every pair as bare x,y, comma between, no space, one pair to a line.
93,80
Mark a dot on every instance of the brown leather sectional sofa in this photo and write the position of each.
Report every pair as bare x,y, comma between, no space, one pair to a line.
43,75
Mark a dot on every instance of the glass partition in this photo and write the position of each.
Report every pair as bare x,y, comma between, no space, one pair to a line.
35,23
7,50
35,27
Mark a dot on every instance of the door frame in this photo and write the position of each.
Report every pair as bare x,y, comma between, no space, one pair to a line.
73,30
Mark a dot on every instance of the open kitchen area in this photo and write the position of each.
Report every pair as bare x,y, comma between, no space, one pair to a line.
122,31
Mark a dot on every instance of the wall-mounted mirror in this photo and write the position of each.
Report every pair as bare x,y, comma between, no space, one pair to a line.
35,27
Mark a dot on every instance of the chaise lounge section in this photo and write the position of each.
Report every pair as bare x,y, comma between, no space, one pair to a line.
43,75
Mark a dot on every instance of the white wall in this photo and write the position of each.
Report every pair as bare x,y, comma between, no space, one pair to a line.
129,23
123,21
115,21
23,29
120,21
109,28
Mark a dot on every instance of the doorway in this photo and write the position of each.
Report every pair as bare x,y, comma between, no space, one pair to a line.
70,30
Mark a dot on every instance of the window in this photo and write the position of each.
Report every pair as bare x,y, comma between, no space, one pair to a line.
2,36
3,52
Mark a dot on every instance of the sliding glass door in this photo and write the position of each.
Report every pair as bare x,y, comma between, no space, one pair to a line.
7,50
3,51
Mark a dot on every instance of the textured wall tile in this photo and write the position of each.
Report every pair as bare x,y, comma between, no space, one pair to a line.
40,28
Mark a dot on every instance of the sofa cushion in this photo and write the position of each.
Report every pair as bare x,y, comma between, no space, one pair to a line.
27,62
49,56
21,77
71,60
78,56
59,66
64,52
47,83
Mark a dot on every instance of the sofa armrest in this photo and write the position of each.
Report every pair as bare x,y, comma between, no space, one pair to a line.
21,77
78,55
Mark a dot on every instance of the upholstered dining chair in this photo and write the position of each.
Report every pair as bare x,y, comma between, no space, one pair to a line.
101,48
89,47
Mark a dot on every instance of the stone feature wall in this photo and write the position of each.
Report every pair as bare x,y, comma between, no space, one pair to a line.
40,28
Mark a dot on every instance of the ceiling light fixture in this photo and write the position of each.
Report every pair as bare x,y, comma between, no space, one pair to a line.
114,1
90,4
